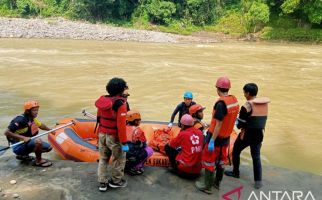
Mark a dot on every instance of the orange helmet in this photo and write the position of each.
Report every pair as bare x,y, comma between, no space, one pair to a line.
195,108
30,104
223,82
132,115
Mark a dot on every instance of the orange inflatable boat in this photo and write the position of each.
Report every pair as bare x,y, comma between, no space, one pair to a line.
78,142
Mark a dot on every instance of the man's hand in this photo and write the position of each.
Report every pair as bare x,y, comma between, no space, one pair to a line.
26,139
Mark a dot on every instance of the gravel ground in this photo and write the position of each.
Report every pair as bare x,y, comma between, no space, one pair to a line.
60,28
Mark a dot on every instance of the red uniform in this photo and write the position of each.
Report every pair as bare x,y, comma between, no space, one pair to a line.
191,142
110,121
220,153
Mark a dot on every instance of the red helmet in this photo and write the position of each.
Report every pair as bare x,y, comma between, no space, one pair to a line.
187,120
223,82
195,108
30,104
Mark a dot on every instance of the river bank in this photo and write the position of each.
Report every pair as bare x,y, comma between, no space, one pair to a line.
60,28
67,180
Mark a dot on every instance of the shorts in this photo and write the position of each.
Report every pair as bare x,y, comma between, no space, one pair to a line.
27,148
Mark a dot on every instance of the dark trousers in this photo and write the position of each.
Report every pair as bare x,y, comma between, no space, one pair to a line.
172,154
255,149
135,157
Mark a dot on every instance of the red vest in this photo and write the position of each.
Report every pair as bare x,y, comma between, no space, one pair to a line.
229,120
106,115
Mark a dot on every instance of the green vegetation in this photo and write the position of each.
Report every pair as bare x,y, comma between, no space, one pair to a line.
292,20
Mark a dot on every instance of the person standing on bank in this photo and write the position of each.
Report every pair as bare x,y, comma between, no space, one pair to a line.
182,108
252,119
222,123
22,128
111,117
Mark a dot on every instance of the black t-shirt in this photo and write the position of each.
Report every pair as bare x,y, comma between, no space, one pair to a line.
18,122
221,110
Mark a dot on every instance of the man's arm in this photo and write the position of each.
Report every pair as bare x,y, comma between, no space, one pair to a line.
176,142
175,112
121,122
217,129
10,134
44,127
243,115
221,112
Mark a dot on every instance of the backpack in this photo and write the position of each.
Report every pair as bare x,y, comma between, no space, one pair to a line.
160,138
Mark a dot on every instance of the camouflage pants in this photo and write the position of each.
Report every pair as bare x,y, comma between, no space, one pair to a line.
107,147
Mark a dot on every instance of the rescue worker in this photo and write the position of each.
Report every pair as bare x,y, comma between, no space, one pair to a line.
185,150
23,128
196,111
111,117
222,123
182,108
252,120
138,152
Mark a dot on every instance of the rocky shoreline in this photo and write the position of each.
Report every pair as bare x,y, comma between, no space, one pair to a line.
60,28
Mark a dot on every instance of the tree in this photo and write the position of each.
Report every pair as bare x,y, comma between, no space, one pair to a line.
160,11
257,15
313,9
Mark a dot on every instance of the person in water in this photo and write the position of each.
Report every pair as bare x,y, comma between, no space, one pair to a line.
182,108
185,150
252,120
23,128
111,115
222,123
138,152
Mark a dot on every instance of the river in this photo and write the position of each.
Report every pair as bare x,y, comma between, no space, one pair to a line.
67,76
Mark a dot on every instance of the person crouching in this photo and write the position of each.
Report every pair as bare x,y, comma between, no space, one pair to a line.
138,152
185,150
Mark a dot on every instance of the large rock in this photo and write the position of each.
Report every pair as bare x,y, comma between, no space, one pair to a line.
72,180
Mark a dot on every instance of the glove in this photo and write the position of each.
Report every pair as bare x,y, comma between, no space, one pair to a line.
170,125
125,148
211,145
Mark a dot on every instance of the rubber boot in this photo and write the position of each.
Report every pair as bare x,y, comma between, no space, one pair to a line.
219,176
206,185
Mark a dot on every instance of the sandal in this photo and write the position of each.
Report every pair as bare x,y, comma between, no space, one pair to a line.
43,163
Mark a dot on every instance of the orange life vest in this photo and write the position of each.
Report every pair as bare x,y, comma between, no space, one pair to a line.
229,120
259,111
